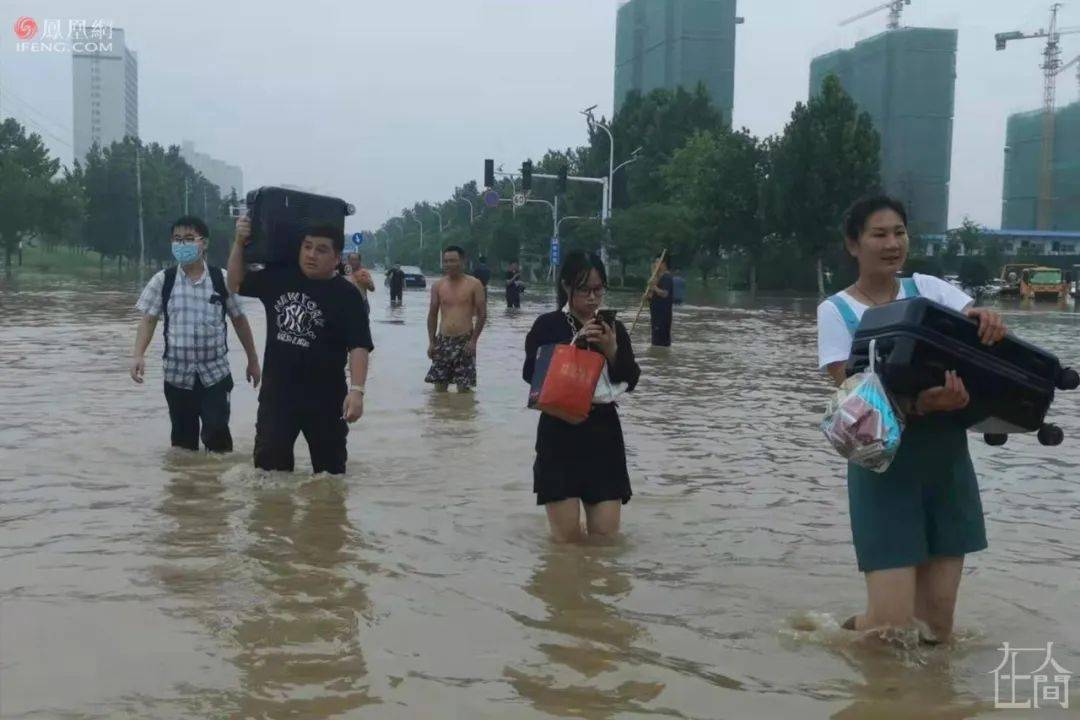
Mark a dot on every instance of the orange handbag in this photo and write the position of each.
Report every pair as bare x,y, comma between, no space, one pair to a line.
570,383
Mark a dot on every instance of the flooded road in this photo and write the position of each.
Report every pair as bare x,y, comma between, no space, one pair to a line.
138,581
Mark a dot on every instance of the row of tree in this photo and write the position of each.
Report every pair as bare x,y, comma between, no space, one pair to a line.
95,204
721,200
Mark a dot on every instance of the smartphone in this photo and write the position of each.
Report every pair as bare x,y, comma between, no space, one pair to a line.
607,317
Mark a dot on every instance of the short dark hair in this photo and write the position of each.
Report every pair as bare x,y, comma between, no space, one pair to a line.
193,222
575,271
454,248
860,211
331,233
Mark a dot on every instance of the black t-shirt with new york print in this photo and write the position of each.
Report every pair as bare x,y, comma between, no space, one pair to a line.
311,325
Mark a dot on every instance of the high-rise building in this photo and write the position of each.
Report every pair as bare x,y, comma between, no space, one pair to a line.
673,43
1023,164
227,177
906,80
105,105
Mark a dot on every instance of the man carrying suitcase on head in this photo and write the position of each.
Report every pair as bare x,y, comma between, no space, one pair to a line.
316,321
194,301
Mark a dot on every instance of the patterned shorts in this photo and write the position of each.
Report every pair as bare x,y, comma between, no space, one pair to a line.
451,363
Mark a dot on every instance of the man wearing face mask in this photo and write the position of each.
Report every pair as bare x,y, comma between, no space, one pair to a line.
193,298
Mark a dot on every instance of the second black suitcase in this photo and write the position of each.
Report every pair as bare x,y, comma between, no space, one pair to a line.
279,217
1011,384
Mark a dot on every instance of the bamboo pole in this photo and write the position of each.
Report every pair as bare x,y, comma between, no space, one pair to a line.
652,281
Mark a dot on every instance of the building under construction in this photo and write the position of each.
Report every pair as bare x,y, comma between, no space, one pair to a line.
905,79
673,43
1023,160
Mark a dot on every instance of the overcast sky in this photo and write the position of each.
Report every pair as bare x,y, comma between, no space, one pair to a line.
386,103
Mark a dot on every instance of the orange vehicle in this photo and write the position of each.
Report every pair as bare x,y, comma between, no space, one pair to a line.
1010,278
1043,283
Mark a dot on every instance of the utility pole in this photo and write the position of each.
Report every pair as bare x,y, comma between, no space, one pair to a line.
187,187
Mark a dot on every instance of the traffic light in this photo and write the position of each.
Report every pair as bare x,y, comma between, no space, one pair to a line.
526,176
489,173
560,183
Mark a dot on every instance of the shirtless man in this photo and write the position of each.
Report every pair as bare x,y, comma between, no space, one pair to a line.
456,297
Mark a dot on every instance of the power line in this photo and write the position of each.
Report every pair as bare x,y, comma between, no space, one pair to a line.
46,131
63,128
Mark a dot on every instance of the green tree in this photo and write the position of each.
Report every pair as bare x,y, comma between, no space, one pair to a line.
968,236
993,254
827,157
640,232
32,200
719,176
659,123
973,272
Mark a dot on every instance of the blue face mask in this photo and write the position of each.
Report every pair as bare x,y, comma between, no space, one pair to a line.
185,253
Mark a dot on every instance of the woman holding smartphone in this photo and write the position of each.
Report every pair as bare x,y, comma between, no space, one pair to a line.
583,465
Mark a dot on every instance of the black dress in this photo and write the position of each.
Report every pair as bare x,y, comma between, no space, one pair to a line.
586,461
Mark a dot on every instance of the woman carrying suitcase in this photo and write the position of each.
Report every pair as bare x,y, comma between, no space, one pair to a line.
583,464
913,524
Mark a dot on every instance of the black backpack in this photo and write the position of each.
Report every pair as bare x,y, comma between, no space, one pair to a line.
217,279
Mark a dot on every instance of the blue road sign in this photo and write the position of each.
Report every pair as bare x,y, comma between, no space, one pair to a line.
491,198
555,252
358,239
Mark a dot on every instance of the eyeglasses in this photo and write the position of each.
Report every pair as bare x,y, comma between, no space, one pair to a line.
596,291
186,238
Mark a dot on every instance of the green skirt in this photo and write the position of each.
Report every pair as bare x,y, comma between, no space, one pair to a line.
925,505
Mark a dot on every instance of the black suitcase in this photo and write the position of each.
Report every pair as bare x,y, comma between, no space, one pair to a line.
279,217
1011,384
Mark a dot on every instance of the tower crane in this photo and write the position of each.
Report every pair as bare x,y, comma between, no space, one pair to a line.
895,8
1051,67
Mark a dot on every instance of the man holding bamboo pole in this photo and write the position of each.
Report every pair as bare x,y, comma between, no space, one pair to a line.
661,294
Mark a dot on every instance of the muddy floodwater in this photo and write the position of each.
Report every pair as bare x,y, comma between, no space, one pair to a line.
138,581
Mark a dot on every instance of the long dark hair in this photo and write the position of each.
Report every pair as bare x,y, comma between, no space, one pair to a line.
575,271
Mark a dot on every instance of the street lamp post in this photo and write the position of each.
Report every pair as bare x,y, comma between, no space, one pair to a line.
439,214
387,241
418,221
471,210
572,217
593,122
633,159
554,207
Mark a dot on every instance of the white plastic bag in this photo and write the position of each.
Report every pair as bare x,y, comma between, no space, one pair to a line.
862,422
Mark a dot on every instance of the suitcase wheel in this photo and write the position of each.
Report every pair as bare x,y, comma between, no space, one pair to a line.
1068,380
995,439
1051,435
